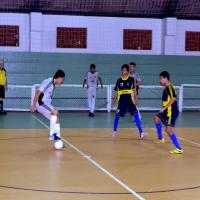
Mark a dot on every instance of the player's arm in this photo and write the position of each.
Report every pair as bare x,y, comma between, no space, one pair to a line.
35,100
84,82
114,98
135,96
6,85
138,80
101,82
115,95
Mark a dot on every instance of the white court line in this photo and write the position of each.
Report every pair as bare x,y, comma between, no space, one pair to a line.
87,157
181,138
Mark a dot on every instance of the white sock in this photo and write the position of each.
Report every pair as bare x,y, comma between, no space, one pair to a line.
54,126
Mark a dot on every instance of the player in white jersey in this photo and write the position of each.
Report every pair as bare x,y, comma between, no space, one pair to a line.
42,102
91,79
135,75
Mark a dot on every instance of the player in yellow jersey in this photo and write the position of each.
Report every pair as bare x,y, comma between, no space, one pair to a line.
3,85
168,113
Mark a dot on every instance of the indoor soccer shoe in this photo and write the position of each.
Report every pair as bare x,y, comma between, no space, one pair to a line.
143,135
176,151
114,133
160,141
53,137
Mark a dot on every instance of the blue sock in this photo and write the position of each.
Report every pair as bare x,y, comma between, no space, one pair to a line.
138,122
116,122
175,141
159,130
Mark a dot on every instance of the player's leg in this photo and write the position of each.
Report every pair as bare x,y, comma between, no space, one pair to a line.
158,124
93,101
51,114
121,110
135,114
172,135
54,125
2,96
90,101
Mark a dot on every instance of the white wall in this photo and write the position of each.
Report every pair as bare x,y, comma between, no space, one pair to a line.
21,20
105,34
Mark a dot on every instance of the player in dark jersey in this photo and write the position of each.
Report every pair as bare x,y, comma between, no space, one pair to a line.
127,100
168,113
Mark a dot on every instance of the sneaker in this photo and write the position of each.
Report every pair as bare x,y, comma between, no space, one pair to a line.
114,133
143,135
53,137
160,141
91,114
176,151
3,112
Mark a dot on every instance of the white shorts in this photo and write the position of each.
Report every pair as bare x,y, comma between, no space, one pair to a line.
92,91
45,109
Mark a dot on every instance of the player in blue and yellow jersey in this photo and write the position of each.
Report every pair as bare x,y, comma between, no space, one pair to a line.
126,95
3,85
168,113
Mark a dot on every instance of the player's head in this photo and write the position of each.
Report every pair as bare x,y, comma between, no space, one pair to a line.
93,68
125,70
1,63
59,77
164,78
132,67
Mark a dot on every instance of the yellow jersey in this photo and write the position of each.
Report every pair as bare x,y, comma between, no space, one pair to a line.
3,78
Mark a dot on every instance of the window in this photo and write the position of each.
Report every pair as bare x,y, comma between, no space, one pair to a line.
71,37
192,41
9,35
137,39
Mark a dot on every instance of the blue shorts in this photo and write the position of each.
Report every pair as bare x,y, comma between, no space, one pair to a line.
168,120
126,105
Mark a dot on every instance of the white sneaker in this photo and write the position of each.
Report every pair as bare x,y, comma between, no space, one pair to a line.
54,137
114,133
143,135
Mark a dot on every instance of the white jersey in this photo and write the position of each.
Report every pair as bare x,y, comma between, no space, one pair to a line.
46,87
135,76
92,79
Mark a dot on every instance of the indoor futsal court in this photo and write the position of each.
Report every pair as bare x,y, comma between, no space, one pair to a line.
93,165
99,100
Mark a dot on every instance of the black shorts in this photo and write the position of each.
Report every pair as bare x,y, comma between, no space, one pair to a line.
126,105
168,120
2,91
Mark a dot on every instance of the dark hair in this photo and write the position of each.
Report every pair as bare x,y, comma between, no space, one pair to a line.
92,66
59,74
125,66
165,74
132,63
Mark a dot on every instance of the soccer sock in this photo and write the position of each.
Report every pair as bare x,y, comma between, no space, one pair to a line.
92,105
159,130
116,122
138,122
175,141
54,126
1,105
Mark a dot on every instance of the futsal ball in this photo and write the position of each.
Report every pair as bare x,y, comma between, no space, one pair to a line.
58,144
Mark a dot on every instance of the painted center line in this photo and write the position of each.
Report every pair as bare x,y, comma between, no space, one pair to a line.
87,157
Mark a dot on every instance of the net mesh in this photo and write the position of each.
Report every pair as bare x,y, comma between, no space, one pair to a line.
74,97
129,8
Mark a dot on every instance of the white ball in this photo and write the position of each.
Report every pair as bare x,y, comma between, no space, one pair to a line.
58,144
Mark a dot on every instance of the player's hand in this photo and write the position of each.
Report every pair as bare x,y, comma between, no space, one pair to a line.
32,109
162,110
